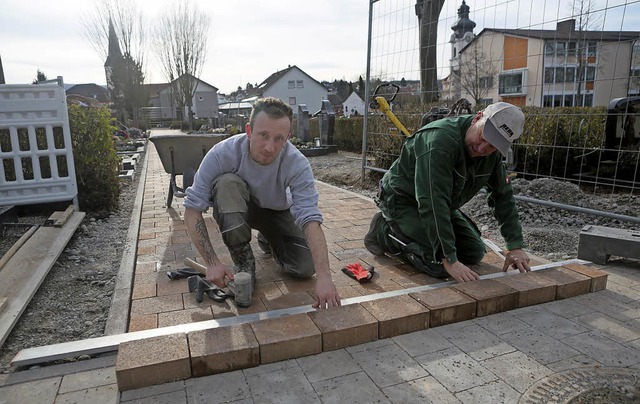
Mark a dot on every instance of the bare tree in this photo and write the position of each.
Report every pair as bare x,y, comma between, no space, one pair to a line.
477,73
181,48
428,12
122,22
583,11
129,25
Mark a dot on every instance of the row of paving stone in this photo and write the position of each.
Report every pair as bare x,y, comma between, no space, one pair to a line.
163,359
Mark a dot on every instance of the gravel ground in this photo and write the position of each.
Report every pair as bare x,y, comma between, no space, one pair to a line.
73,301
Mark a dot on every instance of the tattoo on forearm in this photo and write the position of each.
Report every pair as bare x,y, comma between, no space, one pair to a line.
205,243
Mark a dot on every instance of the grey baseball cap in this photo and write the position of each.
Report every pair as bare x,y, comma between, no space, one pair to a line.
504,125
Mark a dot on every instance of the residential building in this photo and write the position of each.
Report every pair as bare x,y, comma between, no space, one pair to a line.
561,67
162,102
354,105
91,91
295,87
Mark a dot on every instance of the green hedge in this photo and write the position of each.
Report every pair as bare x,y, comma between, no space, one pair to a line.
95,158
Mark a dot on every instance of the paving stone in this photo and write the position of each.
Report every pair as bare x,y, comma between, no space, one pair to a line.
398,315
152,361
287,337
88,379
282,386
517,369
425,390
491,296
39,391
103,395
539,345
140,322
345,326
492,392
477,342
143,290
184,316
531,289
153,305
446,305
569,283
456,370
389,365
357,388
328,365
598,278
294,299
223,349
229,387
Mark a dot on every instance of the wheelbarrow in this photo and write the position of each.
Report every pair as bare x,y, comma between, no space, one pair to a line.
181,154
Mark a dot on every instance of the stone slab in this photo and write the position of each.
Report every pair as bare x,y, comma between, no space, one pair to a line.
598,243
446,305
569,283
491,296
287,337
223,349
598,278
532,290
345,326
152,361
398,315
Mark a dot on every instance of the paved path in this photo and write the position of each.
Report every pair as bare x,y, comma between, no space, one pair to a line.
509,357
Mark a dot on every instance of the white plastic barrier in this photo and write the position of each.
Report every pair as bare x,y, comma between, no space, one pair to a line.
36,156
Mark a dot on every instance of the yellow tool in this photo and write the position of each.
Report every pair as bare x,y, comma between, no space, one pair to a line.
382,104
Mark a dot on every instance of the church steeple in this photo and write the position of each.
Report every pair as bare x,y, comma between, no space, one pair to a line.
464,24
114,46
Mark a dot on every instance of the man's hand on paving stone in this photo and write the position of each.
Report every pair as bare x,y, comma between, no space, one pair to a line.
460,272
326,294
516,259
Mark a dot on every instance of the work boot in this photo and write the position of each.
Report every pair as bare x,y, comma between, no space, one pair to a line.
244,261
371,238
264,244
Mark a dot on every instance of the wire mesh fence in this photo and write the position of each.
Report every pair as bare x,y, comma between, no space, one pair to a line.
573,66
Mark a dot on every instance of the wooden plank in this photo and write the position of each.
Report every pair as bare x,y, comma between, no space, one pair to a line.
16,246
65,216
24,272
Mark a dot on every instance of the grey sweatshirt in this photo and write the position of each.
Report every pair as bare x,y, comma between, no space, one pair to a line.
286,183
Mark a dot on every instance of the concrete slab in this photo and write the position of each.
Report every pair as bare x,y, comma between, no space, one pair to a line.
491,296
345,326
287,337
152,361
223,349
446,305
398,315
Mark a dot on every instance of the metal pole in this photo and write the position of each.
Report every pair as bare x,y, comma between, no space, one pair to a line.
367,91
579,209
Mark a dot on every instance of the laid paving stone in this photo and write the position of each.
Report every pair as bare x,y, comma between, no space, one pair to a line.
598,278
491,296
153,305
345,326
223,349
140,322
569,283
398,315
287,337
531,289
152,361
184,316
143,290
446,305
294,299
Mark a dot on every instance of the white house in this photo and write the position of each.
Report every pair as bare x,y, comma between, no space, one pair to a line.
353,105
163,104
294,87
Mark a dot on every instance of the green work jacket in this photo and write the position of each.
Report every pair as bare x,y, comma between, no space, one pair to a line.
435,174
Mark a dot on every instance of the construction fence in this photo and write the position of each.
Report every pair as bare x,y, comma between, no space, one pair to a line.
572,66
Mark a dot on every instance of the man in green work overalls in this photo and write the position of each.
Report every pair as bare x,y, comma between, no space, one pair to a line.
440,168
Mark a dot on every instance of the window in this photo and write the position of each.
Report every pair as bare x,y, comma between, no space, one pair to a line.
559,75
292,101
485,82
292,84
548,75
634,73
570,75
511,83
299,84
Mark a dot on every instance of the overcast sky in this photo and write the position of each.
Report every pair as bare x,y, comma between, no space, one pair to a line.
251,39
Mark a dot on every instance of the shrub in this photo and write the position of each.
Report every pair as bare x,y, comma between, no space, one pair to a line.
95,158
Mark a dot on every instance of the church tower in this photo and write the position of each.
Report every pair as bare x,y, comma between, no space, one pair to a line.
462,35
113,57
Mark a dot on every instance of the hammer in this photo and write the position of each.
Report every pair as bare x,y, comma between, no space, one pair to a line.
240,287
